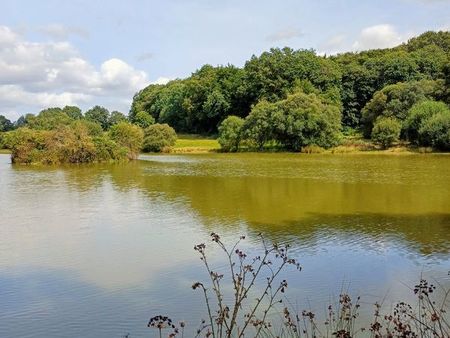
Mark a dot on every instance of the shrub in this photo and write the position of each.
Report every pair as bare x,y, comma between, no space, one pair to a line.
312,149
386,131
26,145
72,144
129,136
5,140
436,131
306,119
395,100
108,150
159,136
230,133
418,115
69,144
257,126
297,121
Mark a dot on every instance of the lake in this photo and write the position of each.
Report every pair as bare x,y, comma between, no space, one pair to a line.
96,250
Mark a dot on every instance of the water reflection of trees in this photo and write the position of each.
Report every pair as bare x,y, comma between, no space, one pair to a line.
299,209
304,210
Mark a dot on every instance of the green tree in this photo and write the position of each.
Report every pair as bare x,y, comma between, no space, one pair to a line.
200,102
170,105
129,136
146,100
358,85
21,122
440,39
366,72
272,75
258,124
306,119
418,115
158,137
99,115
116,117
386,131
5,124
48,119
143,119
398,66
230,133
73,112
396,100
435,131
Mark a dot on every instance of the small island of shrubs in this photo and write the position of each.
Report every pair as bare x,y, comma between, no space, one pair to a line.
56,136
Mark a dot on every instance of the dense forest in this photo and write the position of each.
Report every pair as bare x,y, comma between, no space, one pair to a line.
283,92
283,98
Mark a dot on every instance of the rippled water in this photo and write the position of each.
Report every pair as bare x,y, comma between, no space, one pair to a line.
94,251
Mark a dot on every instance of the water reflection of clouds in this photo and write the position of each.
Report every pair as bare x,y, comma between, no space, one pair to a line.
107,237
56,303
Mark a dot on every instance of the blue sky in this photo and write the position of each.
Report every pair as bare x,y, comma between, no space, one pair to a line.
81,52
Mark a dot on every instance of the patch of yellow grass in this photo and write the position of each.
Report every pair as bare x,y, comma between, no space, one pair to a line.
191,143
312,149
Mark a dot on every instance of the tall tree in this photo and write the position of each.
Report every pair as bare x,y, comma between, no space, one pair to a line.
99,115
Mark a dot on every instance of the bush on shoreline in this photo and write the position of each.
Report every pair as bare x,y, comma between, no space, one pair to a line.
230,133
79,142
128,136
386,131
298,121
159,137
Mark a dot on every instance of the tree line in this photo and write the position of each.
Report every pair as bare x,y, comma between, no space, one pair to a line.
287,96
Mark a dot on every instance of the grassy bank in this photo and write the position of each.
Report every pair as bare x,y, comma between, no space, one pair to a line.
197,144
5,151
192,143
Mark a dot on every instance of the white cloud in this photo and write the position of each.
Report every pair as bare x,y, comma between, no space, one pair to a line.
7,36
35,75
284,34
333,45
378,36
11,95
161,81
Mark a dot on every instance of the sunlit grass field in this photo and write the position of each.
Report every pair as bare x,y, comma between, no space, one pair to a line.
195,143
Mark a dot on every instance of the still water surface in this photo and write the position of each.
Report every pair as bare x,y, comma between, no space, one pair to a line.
95,250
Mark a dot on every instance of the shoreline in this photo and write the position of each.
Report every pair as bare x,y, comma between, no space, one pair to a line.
339,150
